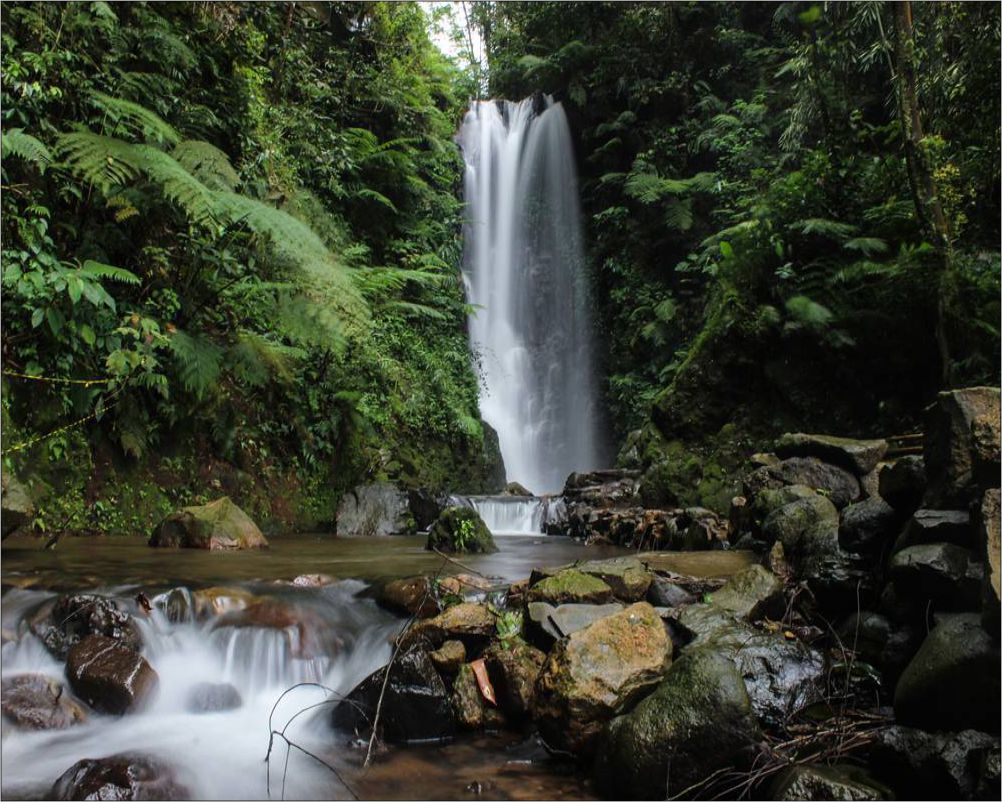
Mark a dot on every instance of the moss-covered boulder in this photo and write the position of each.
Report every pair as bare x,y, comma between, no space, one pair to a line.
218,525
16,506
750,594
473,624
598,672
788,523
698,720
461,529
846,782
570,586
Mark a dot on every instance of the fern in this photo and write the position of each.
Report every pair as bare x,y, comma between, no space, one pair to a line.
832,229
99,270
807,312
136,119
198,361
256,359
868,246
207,163
17,143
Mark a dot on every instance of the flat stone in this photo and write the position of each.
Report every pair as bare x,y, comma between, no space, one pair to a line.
570,586
858,456
936,526
546,623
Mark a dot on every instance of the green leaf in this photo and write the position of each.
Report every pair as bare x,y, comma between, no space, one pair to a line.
101,270
74,288
37,317
726,250
87,334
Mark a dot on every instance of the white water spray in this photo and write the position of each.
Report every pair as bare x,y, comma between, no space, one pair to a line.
525,270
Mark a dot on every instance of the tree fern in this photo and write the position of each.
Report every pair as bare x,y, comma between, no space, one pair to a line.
24,146
207,163
136,119
198,360
99,270
808,313
868,246
832,229
255,359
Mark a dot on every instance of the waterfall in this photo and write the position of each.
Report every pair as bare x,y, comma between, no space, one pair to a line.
515,515
524,270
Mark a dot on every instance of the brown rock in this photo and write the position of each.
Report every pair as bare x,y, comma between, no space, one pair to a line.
473,624
38,702
412,596
130,775
110,677
961,446
513,667
448,657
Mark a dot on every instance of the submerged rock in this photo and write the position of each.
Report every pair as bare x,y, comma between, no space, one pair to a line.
211,697
38,702
129,775
110,677
599,672
76,616
699,719
416,705
218,525
461,529
375,509
858,456
952,683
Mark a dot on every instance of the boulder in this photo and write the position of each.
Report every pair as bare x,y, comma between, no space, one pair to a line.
412,596
750,594
110,677
218,525
78,615
470,709
781,676
770,499
939,571
375,509
698,720
212,697
858,456
876,640
833,482
902,484
868,525
513,667
425,506
627,576
936,526
841,782
448,657
664,592
961,446
952,683
416,704
129,775
16,506
38,702
932,765
598,672
461,529
990,545
787,524
473,624
545,624
570,586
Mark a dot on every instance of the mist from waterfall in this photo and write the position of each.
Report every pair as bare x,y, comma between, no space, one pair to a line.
524,269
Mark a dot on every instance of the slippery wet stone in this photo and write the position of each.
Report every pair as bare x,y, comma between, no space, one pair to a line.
129,775
751,593
597,673
412,596
38,702
76,616
110,677
936,526
868,525
939,571
473,624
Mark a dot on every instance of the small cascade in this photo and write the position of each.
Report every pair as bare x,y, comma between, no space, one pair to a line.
514,515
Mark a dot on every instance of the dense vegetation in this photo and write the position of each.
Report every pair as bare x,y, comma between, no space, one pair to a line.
244,221
793,208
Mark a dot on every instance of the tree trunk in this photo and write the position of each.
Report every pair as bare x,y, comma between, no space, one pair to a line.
927,204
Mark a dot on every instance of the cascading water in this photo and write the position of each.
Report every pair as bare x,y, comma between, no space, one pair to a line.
524,271
515,515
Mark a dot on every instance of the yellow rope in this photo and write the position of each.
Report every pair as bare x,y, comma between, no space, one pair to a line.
35,440
84,382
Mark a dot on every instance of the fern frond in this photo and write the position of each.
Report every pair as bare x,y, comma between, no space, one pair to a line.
678,214
305,321
100,270
256,359
207,163
808,313
868,246
832,229
137,119
412,309
16,142
198,361
104,161
371,194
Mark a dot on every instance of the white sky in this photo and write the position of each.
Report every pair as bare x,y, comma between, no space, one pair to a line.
442,36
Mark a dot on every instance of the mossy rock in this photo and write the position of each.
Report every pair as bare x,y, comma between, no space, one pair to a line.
571,586
461,529
218,525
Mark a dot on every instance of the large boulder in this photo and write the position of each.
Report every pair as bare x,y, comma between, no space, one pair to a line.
75,616
858,456
627,576
16,506
837,484
787,523
218,525
933,765
545,624
941,572
570,586
425,506
809,782
868,525
902,483
952,683
961,446
109,677
416,704
598,672
129,775
698,720
375,509
37,702
461,529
